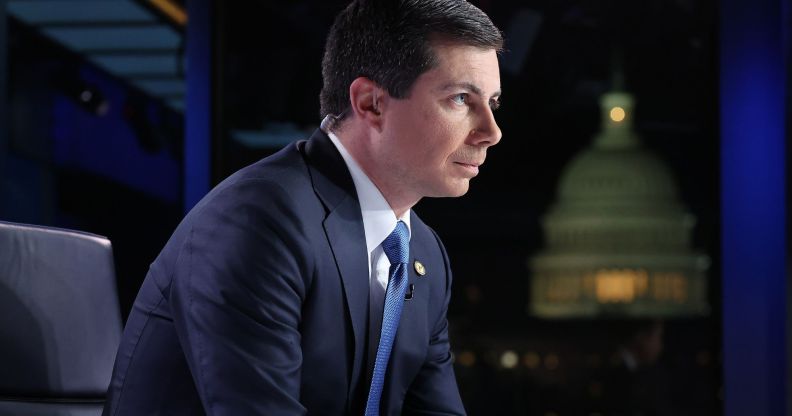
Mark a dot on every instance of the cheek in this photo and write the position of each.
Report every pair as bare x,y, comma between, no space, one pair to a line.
433,135
446,140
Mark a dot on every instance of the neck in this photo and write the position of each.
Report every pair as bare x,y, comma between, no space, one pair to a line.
359,147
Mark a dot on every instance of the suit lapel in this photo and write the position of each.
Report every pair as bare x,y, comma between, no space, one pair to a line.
344,235
344,229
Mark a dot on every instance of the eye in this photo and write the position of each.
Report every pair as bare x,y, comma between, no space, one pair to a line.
494,104
460,98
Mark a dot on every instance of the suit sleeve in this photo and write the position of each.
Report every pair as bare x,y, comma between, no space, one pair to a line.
434,390
236,295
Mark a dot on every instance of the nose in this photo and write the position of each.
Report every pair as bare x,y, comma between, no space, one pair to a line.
486,133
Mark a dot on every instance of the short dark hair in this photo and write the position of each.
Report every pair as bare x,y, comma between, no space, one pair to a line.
390,42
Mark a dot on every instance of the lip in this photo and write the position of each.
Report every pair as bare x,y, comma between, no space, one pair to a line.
472,168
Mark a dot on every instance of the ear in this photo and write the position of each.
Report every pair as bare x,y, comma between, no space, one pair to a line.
366,100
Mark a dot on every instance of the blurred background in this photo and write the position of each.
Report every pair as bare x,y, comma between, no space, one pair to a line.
593,253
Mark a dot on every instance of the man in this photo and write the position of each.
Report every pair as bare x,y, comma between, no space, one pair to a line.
304,283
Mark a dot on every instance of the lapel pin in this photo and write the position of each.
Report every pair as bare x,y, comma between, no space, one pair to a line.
419,268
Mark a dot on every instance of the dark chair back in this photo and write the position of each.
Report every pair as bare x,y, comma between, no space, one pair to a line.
60,322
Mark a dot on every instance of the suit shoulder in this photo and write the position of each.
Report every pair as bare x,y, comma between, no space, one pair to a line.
274,193
285,168
276,179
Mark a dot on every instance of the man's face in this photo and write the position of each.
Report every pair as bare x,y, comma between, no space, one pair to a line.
434,140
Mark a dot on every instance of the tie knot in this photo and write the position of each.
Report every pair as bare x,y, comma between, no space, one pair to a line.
397,244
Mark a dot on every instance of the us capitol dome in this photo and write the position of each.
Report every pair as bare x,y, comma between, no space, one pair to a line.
618,239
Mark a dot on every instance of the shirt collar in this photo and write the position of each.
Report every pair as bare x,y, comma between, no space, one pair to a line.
379,220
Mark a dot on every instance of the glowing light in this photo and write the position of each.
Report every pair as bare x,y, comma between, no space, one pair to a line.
531,360
466,358
171,9
551,362
509,359
620,285
617,114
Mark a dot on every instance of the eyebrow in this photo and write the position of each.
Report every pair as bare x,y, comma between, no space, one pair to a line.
470,86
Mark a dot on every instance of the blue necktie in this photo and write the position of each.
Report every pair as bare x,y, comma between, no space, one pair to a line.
397,248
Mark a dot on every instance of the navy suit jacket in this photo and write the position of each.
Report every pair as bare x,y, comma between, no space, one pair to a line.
258,305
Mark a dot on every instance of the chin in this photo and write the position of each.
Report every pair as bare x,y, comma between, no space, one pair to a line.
456,189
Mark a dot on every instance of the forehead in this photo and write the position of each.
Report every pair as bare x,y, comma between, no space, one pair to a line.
457,64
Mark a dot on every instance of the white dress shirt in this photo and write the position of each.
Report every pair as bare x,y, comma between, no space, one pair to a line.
379,220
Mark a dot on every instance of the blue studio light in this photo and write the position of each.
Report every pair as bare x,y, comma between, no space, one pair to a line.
753,93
